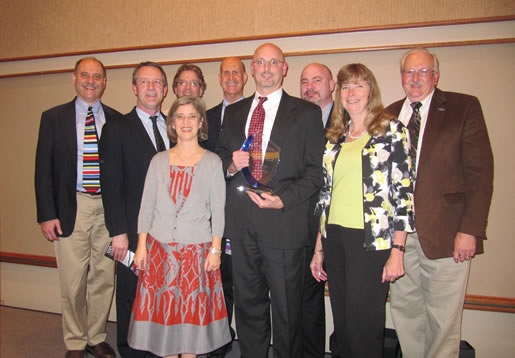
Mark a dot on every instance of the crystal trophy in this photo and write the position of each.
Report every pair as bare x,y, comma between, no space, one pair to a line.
269,167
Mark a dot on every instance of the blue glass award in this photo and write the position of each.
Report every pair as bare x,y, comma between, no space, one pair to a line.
269,167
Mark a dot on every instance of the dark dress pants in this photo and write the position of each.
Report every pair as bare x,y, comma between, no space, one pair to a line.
126,284
313,312
357,295
264,277
227,284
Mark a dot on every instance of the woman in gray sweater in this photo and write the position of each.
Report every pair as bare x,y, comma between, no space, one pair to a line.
179,307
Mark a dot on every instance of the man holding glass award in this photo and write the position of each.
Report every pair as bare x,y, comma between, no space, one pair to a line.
276,142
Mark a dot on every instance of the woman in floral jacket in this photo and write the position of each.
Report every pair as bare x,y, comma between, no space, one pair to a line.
366,210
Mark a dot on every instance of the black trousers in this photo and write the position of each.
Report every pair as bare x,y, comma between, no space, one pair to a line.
313,312
267,277
357,295
227,284
126,284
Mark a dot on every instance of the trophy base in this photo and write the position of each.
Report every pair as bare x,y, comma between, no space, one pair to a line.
258,190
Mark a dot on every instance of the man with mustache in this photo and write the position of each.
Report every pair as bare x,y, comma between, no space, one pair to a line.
316,86
127,147
189,81
70,211
453,163
267,231
232,79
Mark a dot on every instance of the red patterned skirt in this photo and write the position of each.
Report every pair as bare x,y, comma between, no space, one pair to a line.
179,307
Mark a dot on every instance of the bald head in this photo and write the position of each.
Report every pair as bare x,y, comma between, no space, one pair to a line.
317,84
268,68
232,78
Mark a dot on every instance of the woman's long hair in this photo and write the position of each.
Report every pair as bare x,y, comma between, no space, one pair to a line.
377,118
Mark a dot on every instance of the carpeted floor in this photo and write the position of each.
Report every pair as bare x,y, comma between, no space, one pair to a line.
34,334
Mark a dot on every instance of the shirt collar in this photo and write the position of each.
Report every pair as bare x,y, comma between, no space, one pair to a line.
425,102
144,115
84,106
225,102
273,98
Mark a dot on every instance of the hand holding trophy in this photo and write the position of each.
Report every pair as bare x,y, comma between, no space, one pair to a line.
260,170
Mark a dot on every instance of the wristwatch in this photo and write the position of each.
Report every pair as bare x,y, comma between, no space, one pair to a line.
399,247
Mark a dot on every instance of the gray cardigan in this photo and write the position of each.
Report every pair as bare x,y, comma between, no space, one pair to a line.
202,215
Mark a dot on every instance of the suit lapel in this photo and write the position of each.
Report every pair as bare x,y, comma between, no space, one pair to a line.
283,119
69,127
242,115
435,119
139,133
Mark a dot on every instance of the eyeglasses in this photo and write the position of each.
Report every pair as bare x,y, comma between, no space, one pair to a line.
273,62
192,83
192,116
423,72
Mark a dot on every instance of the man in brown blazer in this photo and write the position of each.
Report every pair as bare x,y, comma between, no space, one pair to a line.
454,180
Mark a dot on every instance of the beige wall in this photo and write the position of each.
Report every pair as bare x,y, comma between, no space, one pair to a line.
59,26
486,71
482,70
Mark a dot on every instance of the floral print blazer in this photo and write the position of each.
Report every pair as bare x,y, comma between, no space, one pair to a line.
387,186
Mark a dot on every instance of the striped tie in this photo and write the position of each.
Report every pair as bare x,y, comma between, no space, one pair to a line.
414,130
90,159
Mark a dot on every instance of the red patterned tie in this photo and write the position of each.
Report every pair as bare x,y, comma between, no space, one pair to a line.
257,122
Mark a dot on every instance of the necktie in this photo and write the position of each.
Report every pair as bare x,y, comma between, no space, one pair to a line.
90,160
257,122
159,140
414,130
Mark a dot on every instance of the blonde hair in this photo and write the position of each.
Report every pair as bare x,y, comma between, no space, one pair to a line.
377,118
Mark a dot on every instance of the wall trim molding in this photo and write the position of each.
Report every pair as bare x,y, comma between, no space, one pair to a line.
271,36
429,35
472,302
287,54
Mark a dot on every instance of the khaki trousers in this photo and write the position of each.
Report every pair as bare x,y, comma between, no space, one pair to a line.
427,303
86,295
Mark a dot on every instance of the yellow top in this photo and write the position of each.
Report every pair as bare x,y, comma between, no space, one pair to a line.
347,196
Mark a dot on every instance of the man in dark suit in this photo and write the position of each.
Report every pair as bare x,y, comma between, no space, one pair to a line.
232,79
128,145
454,181
70,211
316,86
269,231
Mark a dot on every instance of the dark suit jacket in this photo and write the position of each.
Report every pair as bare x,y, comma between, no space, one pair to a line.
214,126
126,154
298,131
56,165
314,220
455,173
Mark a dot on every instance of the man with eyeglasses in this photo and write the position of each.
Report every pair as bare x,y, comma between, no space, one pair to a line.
453,163
189,81
127,147
269,231
232,79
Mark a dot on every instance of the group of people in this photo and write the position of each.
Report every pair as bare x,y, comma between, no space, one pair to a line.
364,197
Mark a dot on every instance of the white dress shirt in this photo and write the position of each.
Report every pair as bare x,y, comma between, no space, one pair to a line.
147,123
270,106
